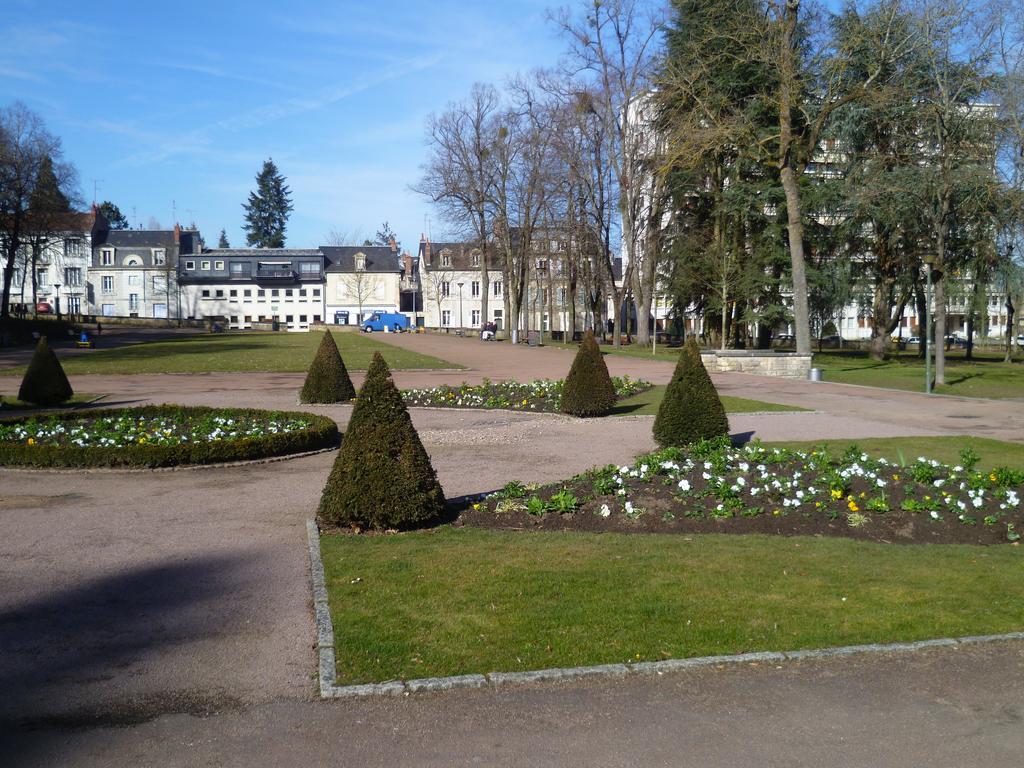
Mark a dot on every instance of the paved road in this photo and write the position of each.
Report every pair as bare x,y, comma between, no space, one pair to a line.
154,600
939,708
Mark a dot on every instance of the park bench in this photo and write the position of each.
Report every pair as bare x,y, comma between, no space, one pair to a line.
90,344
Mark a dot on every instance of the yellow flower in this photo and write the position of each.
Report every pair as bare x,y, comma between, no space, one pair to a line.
853,506
836,493
776,512
31,441
142,440
895,477
476,506
992,476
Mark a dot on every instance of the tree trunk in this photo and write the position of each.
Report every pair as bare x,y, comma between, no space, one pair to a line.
798,266
1010,311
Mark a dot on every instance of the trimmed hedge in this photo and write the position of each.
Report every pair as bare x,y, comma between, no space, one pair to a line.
588,389
691,409
382,478
321,433
327,380
44,382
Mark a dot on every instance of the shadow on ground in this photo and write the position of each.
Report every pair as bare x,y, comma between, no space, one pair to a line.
69,658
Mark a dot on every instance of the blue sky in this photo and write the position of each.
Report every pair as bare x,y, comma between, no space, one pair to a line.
182,101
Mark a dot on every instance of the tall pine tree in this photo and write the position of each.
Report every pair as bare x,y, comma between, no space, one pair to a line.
266,212
222,242
113,215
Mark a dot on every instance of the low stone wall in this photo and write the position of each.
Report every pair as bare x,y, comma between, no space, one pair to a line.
787,365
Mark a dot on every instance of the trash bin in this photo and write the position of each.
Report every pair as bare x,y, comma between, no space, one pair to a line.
815,374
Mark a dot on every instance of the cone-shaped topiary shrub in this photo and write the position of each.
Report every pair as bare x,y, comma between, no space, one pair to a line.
44,382
691,409
588,389
327,380
382,477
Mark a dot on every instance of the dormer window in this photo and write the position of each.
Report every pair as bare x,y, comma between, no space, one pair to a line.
360,262
446,258
133,261
159,257
476,258
107,257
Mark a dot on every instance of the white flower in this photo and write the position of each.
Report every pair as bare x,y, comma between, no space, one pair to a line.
684,484
605,510
935,515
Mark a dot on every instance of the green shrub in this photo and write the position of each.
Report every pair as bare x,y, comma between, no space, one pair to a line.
44,382
691,409
327,380
588,389
321,433
382,478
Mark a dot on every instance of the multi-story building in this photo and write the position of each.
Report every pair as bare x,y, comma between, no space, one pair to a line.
134,272
452,286
61,259
243,287
361,280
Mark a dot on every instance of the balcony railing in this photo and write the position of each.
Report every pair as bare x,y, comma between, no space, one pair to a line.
281,274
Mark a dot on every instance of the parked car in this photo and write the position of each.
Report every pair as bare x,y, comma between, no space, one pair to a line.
390,321
43,308
1020,340
784,338
832,342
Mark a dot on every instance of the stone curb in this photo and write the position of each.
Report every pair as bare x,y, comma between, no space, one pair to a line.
329,689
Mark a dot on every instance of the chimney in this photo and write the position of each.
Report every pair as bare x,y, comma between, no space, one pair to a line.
393,244
407,265
177,234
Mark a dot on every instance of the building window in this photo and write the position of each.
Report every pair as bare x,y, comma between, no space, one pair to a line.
74,304
446,317
41,278
107,283
240,269
289,318
134,279
234,319
247,293
476,258
220,294
446,259
190,265
260,293
159,257
475,288
218,265
206,294
360,262
561,295
497,287
248,318
233,294
302,318
288,292
274,292
316,293
309,269
446,288
302,292
205,265
159,283
107,310
106,257
316,318
133,302
73,277
475,317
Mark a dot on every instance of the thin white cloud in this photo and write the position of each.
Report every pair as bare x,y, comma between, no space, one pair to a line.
199,140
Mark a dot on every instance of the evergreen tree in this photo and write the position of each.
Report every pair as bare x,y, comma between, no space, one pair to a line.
223,241
113,215
327,380
382,477
691,409
45,382
385,235
588,389
266,212
47,197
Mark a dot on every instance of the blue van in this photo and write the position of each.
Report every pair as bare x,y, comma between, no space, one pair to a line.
391,321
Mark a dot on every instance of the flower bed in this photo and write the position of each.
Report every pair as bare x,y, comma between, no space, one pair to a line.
543,395
160,436
713,487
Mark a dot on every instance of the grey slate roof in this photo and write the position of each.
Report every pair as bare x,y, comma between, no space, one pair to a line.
263,253
461,254
379,258
147,238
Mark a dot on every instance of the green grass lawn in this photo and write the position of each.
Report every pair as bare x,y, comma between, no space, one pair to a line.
647,403
455,601
985,376
239,352
993,453
12,403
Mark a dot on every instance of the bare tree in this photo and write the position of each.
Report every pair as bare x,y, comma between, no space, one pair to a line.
361,286
615,42
458,176
437,284
26,147
340,237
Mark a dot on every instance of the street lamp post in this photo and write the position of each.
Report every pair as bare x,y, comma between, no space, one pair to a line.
462,328
928,327
56,298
